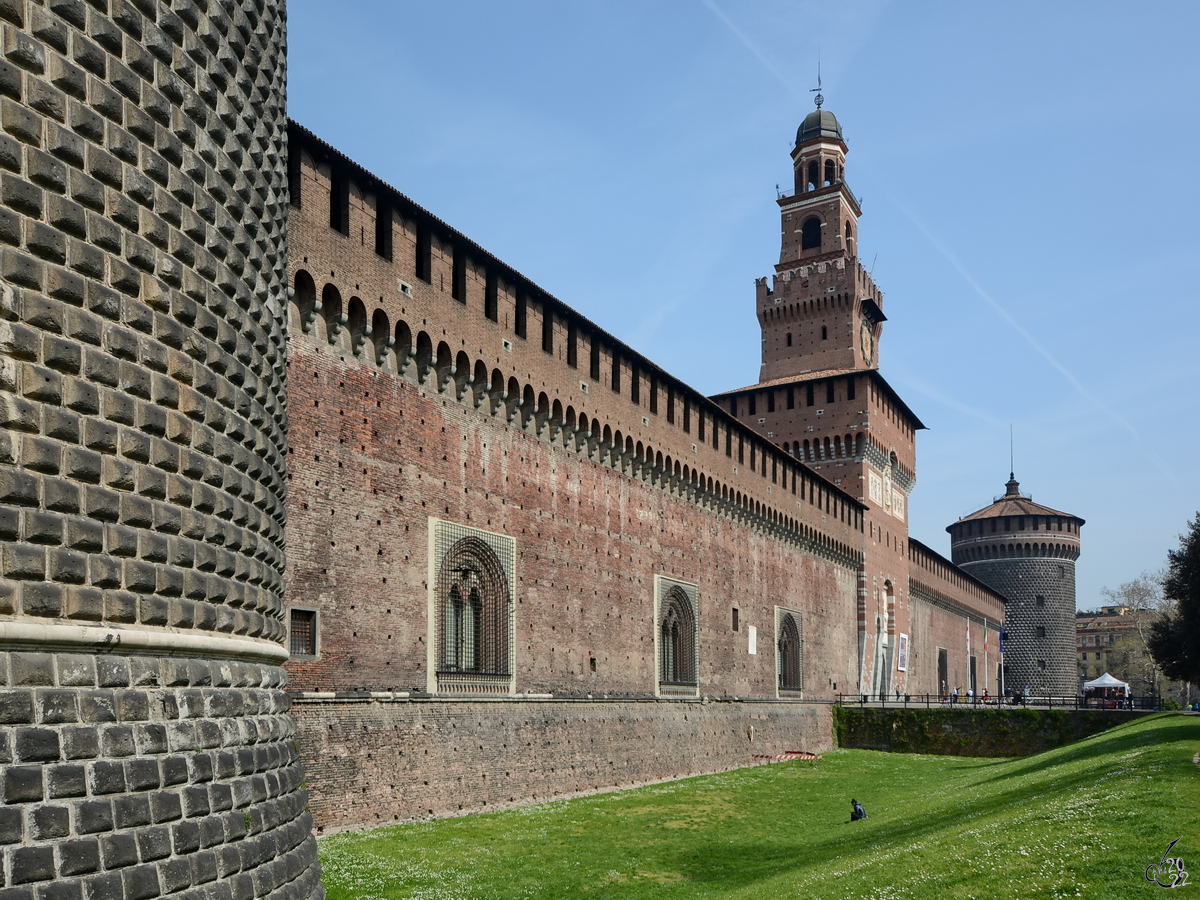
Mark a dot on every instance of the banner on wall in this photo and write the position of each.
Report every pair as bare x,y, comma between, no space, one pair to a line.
902,654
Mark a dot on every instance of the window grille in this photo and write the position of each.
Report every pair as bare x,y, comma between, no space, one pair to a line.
302,639
789,652
677,642
472,609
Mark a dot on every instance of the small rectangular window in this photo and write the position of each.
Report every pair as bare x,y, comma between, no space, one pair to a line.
1041,600
458,282
635,384
654,394
700,424
850,388
491,297
741,451
829,391
687,416
753,456
735,618
670,405
519,324
294,176
424,254
770,401
1041,631
302,639
752,399
594,366
572,344
616,371
791,398
728,443
809,397
733,406
547,329
339,202
383,230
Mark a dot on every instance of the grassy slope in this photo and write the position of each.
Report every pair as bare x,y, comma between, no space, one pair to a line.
1083,820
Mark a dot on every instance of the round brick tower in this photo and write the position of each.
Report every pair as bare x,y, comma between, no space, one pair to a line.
145,743
1027,552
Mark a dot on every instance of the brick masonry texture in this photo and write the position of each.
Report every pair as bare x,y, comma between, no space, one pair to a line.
390,761
143,210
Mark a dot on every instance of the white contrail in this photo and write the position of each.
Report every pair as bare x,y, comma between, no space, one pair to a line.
1042,351
1015,325
753,48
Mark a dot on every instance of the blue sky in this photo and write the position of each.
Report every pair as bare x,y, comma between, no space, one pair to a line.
1029,175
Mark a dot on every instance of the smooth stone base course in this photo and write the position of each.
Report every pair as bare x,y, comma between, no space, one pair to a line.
374,762
971,732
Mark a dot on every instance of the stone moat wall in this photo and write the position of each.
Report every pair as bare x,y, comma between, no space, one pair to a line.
375,760
971,732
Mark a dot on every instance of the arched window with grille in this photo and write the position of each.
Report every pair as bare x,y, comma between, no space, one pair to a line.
472,608
789,653
676,637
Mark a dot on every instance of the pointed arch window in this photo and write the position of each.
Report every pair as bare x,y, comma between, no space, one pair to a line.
789,655
676,603
473,611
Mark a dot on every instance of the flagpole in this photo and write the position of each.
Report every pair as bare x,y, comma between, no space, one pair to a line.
1001,660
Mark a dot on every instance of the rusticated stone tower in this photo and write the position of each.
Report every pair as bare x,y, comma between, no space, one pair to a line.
1027,552
145,744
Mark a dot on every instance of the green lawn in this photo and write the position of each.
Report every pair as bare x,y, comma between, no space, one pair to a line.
1080,821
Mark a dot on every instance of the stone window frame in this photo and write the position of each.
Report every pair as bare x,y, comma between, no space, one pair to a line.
316,632
666,588
796,690
443,537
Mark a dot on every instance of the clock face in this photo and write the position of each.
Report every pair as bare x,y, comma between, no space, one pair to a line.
867,339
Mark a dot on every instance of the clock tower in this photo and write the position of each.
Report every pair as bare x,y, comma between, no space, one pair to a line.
823,311
820,396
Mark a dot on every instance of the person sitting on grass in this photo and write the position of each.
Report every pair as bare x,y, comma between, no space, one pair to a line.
856,811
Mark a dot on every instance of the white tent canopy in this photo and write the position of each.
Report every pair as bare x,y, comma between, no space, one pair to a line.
1105,681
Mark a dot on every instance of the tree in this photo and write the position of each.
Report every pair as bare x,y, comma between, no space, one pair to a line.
1175,638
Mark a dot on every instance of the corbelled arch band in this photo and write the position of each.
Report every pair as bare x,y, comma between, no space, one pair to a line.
394,347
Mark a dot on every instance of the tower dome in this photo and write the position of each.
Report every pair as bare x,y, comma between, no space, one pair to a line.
818,124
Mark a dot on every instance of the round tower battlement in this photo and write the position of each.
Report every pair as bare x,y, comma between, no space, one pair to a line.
1015,527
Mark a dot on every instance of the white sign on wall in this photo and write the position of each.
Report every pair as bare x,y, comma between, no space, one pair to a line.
753,640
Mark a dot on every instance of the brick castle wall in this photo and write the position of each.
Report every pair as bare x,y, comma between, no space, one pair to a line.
145,746
373,456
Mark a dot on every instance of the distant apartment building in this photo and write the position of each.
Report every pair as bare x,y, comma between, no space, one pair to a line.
1112,640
